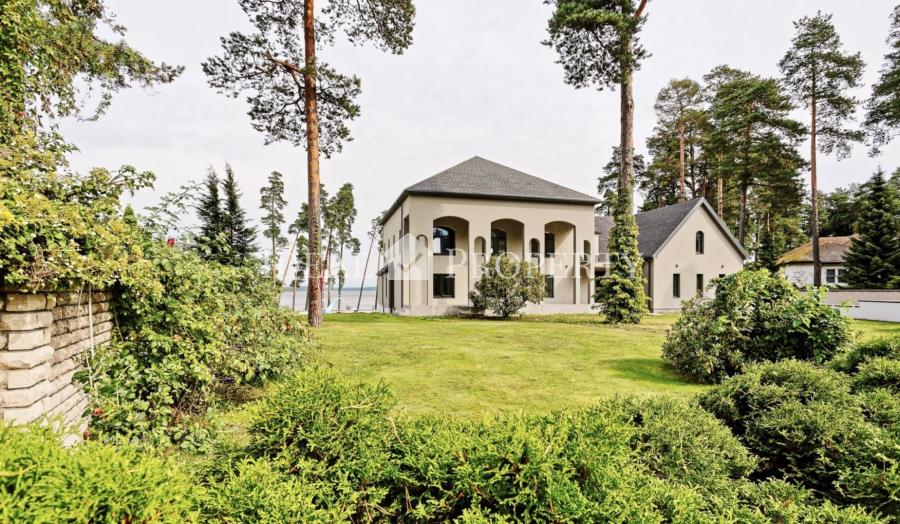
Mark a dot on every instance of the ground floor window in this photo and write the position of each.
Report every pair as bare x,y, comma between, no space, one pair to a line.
699,283
444,286
676,285
548,284
833,276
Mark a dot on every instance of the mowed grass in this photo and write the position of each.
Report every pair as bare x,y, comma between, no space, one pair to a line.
473,367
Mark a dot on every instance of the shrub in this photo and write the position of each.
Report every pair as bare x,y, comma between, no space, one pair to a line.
779,501
806,427
507,285
92,482
877,373
188,328
754,317
850,360
331,433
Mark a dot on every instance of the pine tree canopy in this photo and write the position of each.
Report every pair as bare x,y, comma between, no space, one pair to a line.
873,260
883,108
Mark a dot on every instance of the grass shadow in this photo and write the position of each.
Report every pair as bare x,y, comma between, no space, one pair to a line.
648,370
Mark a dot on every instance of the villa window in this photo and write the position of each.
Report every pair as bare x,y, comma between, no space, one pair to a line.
444,241
833,276
444,286
535,248
498,242
548,284
676,285
549,244
699,283
698,242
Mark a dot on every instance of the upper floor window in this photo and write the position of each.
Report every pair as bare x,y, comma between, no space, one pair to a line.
535,248
498,242
444,241
698,242
549,244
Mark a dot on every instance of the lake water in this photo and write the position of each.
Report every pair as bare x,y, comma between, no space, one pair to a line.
349,298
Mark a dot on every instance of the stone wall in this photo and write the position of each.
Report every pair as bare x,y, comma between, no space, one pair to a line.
44,338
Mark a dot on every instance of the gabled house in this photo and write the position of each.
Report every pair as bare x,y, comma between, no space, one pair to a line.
684,247
440,231
798,263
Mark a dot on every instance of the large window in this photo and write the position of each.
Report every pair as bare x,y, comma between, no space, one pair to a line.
498,242
699,283
444,241
698,242
548,283
444,286
833,276
676,285
549,244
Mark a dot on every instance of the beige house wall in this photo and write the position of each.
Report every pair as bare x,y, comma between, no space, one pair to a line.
678,255
414,263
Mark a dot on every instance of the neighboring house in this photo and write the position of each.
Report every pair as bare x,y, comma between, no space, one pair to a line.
798,263
439,232
684,247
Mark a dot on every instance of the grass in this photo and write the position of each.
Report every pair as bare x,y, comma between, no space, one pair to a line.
473,367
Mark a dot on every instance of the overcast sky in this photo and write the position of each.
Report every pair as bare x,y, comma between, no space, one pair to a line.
476,81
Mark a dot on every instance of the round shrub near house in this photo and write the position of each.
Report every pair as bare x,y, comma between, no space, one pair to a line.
754,316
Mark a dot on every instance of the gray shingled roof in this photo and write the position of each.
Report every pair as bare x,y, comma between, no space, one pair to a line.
832,250
656,226
482,178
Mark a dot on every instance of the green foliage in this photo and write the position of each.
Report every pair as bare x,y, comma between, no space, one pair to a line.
55,52
873,260
621,292
883,108
806,427
63,230
240,237
779,501
211,237
92,482
850,360
877,373
188,328
754,317
272,202
608,183
507,285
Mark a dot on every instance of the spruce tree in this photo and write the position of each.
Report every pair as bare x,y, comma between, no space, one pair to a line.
598,46
209,211
820,76
272,203
239,236
883,108
873,260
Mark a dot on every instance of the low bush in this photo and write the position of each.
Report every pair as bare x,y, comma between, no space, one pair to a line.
877,373
40,481
754,317
782,502
507,286
806,426
188,328
850,360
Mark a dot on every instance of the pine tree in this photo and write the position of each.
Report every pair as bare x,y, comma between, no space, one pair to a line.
597,45
675,105
608,183
272,202
820,74
873,260
239,236
343,208
883,108
209,211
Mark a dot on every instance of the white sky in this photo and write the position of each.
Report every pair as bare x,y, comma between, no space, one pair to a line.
476,81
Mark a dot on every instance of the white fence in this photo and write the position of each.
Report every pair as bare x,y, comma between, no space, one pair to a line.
868,304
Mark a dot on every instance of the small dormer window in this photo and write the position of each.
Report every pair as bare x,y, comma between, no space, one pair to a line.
698,242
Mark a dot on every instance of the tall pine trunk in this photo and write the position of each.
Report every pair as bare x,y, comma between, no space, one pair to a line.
312,160
742,220
720,189
814,216
682,197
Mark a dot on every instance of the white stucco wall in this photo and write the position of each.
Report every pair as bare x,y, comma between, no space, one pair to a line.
801,275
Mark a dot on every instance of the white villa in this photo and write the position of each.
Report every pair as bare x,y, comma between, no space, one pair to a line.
440,231
798,263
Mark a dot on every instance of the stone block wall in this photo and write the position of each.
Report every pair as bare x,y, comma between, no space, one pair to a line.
44,338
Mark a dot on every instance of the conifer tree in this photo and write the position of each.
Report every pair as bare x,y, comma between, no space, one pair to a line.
300,229
820,74
675,105
209,211
290,88
597,45
873,260
239,236
272,202
344,211
883,108
608,183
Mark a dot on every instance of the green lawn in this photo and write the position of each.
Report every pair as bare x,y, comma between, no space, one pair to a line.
477,367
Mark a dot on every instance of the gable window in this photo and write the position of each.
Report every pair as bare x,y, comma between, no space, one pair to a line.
498,242
676,285
444,241
549,244
699,283
548,284
444,286
698,242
